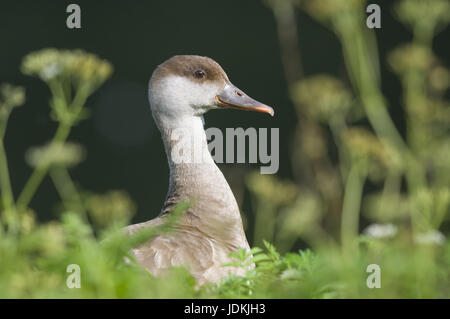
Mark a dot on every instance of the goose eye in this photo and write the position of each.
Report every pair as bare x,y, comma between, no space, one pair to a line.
199,74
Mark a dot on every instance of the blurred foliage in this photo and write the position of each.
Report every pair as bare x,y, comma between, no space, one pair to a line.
110,208
34,266
363,193
67,154
323,96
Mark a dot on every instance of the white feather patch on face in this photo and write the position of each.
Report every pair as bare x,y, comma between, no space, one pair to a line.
179,96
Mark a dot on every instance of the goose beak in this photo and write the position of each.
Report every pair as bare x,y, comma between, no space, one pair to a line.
232,97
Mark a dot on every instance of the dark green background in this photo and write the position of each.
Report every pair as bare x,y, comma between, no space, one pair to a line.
123,145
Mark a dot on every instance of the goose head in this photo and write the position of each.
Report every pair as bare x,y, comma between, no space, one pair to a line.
187,86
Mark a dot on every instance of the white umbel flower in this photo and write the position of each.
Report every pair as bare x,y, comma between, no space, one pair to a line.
381,231
431,237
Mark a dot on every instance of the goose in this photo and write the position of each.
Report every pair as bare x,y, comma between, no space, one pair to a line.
181,90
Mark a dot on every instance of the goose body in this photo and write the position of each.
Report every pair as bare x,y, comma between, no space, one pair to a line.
181,90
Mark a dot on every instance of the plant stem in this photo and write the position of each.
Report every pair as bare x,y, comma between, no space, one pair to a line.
284,13
362,73
67,189
5,181
351,206
61,135
264,228
39,172
338,125
358,64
